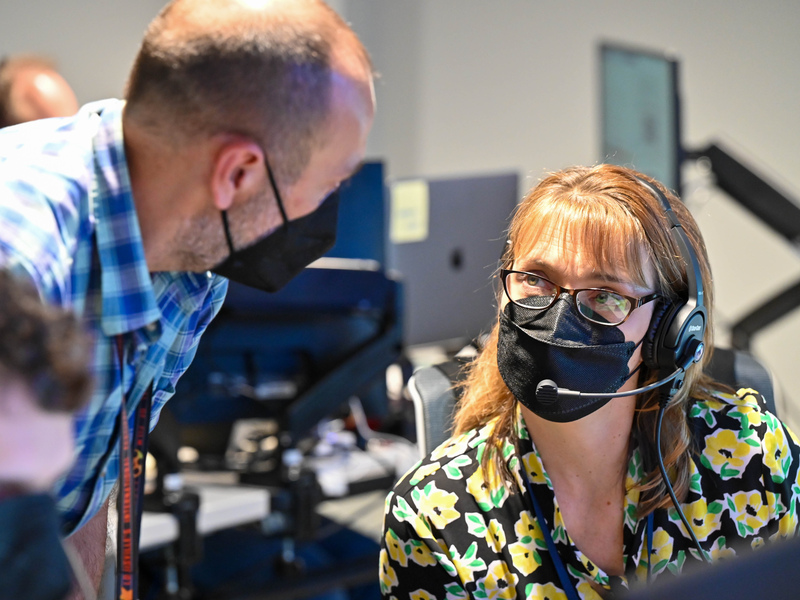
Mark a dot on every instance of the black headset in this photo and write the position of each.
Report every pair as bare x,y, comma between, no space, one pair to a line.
675,337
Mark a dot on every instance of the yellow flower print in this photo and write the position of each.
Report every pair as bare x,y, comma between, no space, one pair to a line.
408,473
795,441
662,550
395,547
533,466
746,397
422,595
437,505
703,517
559,528
453,447
487,495
548,591
587,592
423,472
726,454
750,416
592,569
496,536
776,454
388,578
720,551
499,582
469,563
421,554
787,526
749,512
527,525
524,556
403,512
775,505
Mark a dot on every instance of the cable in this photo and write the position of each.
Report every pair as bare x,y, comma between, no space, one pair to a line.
363,428
667,482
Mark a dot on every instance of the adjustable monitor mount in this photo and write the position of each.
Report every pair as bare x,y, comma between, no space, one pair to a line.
774,209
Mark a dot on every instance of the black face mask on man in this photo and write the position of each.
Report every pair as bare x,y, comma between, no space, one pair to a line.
271,262
557,344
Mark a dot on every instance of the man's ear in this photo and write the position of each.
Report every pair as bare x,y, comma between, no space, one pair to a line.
238,171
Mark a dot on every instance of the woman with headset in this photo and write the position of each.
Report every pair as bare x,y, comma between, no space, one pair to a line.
591,453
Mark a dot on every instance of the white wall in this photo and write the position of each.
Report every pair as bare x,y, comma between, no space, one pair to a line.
475,86
93,41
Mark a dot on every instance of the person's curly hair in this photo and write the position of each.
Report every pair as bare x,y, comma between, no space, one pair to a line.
43,345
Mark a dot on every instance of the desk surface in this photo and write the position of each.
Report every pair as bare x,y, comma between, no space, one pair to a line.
221,506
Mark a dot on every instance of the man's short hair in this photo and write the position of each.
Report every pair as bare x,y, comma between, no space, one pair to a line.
42,345
271,82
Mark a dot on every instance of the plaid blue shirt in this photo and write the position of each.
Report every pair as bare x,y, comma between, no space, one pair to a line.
68,221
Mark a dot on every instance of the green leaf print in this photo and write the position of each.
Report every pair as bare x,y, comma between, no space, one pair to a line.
476,525
453,472
498,495
455,592
705,462
402,512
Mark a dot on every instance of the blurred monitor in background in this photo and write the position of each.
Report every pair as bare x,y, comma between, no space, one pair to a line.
446,238
640,112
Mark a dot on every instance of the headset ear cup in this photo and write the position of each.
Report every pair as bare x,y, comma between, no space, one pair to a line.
655,333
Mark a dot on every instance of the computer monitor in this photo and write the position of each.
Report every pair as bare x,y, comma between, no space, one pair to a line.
446,238
640,112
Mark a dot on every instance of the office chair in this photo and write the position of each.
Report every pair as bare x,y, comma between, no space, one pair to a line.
432,389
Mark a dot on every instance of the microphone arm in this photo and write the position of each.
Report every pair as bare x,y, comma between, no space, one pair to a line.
548,392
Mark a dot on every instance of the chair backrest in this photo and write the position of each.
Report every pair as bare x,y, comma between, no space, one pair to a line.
740,369
432,391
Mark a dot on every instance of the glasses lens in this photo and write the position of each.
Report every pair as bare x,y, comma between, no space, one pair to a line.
602,306
530,290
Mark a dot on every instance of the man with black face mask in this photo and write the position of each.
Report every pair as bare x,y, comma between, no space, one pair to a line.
240,119
44,375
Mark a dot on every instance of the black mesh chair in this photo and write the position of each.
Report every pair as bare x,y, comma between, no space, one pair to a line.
432,389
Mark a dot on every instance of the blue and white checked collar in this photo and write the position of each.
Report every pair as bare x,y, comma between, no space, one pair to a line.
129,301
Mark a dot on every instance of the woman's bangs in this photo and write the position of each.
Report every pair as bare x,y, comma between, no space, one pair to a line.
606,234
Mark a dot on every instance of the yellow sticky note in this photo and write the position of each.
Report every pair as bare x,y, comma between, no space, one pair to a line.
409,212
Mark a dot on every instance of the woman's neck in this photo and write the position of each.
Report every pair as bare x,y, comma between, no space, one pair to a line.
588,454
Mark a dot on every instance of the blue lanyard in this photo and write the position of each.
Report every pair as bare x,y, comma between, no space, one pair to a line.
566,582
649,545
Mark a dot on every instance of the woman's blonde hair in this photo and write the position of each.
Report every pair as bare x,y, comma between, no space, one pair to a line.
620,225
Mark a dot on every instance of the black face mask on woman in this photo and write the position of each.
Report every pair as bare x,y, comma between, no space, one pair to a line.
271,262
555,343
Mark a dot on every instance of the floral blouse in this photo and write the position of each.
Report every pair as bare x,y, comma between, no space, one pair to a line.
448,535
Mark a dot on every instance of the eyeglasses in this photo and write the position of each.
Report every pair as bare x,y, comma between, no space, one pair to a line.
603,307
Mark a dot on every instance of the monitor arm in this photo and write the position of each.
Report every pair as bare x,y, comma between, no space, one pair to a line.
774,209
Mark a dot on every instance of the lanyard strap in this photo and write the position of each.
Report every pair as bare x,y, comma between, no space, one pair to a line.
649,546
131,485
566,582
